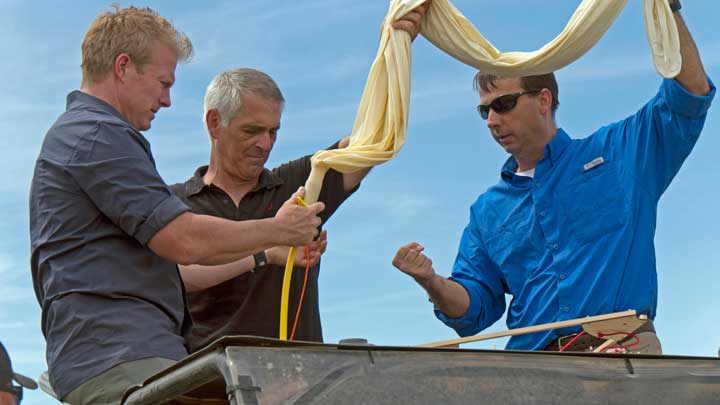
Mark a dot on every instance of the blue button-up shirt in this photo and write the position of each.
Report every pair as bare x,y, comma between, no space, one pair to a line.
577,238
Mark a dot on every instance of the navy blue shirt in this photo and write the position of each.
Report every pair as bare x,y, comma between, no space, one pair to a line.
96,200
577,238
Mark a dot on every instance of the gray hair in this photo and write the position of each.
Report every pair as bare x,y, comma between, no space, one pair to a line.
227,89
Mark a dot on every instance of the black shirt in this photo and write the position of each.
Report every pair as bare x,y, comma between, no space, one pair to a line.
96,200
250,303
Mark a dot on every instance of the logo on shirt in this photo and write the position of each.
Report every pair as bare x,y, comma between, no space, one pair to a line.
594,163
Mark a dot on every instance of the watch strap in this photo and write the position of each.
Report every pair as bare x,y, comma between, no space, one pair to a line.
261,260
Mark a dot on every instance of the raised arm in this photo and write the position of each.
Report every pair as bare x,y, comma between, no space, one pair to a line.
692,76
409,23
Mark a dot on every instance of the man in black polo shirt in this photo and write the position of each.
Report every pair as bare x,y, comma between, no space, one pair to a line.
242,116
106,231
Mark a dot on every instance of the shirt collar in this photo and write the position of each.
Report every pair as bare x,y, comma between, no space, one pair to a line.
551,154
196,184
557,146
77,99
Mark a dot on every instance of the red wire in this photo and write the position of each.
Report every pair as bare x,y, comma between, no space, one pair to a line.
302,293
571,341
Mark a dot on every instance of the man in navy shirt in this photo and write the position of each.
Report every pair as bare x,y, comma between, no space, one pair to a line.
568,231
106,231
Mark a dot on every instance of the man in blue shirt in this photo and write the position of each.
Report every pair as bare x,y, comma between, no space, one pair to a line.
568,231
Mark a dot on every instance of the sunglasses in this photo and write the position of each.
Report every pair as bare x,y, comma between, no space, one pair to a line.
502,104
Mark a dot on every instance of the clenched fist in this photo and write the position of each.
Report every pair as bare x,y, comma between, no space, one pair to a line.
410,260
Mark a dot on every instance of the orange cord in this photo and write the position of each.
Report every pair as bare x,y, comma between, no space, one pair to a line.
302,293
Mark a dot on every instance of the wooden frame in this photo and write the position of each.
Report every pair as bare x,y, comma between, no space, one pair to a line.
594,325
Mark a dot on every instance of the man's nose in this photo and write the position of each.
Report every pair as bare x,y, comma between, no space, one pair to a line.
165,98
267,140
493,118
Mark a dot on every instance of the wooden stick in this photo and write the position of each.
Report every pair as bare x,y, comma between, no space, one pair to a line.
604,345
531,329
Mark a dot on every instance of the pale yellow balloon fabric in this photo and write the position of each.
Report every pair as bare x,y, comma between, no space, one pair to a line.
379,130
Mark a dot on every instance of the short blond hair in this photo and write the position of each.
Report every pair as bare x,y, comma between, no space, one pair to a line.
133,31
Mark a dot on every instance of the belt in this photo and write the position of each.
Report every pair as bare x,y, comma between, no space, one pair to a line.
588,342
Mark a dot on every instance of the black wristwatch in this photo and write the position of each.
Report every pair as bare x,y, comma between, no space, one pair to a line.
261,261
674,5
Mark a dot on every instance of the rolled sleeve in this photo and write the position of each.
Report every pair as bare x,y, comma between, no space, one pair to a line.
682,102
163,214
115,169
464,325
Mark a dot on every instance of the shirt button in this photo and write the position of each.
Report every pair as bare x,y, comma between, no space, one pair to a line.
566,309
537,184
543,213
555,246
562,277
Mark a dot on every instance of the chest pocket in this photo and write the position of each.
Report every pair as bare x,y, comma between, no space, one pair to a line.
513,246
595,203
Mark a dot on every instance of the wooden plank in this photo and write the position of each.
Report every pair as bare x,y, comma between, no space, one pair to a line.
626,324
530,329
604,346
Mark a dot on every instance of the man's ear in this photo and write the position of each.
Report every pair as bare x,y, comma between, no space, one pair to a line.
212,118
546,99
121,65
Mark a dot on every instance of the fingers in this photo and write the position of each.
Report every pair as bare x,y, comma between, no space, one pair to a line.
412,245
298,225
409,258
320,243
293,199
412,21
316,208
343,143
314,258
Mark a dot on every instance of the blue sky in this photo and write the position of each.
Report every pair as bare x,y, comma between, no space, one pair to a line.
320,52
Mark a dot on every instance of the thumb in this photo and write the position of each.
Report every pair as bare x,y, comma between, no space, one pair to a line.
299,193
293,198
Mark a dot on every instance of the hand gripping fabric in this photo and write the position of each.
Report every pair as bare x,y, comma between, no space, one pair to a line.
379,130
